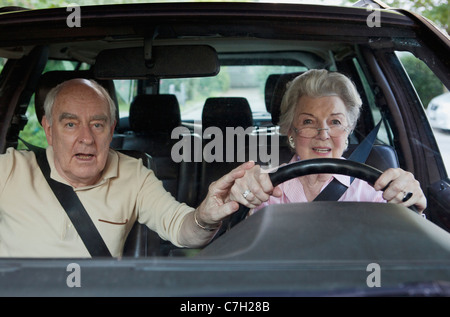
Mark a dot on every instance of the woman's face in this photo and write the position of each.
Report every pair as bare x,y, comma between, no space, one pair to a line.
320,127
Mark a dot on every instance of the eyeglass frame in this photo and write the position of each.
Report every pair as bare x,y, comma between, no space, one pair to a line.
297,131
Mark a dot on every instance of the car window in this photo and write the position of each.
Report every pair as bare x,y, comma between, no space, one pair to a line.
2,63
435,99
126,90
232,81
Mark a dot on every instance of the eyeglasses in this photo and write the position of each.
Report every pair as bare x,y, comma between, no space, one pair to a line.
334,131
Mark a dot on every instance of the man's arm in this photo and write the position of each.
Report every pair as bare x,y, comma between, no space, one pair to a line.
200,226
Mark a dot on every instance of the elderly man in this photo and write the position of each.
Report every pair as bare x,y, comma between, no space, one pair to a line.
114,189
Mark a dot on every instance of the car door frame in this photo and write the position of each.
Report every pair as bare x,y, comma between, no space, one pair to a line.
418,146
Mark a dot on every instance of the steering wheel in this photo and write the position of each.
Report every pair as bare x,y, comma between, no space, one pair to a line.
315,166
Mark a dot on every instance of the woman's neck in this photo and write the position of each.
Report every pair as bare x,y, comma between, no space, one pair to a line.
312,184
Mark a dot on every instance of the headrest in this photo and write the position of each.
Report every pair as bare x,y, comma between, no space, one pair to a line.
51,79
225,112
269,88
278,93
154,113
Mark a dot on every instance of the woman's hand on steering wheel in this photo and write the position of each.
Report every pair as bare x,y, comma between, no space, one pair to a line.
399,186
254,188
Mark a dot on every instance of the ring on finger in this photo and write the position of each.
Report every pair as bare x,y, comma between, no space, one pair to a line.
406,196
246,193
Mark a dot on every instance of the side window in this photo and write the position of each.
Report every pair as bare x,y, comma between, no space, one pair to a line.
435,98
33,132
2,63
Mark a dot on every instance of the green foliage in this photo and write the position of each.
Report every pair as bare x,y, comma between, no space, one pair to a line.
33,132
192,90
426,83
2,63
437,11
42,4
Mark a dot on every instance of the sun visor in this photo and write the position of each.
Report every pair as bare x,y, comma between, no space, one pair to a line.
172,61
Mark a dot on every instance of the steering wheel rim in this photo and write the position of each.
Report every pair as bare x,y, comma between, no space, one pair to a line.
325,166
315,166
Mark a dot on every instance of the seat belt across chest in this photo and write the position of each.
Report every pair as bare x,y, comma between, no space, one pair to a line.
74,209
335,189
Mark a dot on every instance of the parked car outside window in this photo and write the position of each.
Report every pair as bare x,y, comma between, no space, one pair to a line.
439,112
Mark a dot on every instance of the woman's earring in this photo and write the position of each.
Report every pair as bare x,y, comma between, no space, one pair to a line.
291,142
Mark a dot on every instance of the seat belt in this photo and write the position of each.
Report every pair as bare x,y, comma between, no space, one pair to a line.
74,208
335,189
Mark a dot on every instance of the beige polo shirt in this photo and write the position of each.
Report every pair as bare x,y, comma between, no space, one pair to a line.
33,223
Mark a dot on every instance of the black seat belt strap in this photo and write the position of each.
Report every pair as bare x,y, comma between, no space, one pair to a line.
336,189
74,209
362,151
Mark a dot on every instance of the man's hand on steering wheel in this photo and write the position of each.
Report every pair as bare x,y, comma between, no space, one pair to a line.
254,188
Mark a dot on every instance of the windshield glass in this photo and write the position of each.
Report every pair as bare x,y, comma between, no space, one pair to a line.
232,81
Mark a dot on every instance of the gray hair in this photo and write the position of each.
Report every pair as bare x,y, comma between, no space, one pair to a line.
319,83
53,93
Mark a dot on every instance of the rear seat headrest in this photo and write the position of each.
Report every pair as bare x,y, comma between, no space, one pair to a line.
278,93
155,113
51,79
225,112
269,88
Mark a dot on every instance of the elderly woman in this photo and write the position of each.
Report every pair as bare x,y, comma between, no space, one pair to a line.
318,113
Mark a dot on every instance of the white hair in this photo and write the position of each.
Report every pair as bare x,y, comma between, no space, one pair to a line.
319,83
53,93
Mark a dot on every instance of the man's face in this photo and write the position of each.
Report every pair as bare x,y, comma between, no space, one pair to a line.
80,133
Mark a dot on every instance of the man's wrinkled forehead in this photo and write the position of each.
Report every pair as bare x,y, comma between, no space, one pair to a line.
73,116
80,88
80,92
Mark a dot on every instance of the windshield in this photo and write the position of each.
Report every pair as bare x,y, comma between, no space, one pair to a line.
174,138
232,81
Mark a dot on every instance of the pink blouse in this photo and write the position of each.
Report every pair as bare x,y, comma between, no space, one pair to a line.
293,191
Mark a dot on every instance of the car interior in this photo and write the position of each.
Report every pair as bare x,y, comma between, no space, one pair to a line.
146,131
159,67
198,89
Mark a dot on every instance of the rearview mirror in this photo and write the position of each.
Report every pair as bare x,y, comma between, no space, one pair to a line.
174,61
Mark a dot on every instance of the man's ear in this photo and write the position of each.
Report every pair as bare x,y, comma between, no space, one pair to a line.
47,129
112,128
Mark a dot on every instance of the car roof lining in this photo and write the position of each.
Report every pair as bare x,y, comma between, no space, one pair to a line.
312,54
